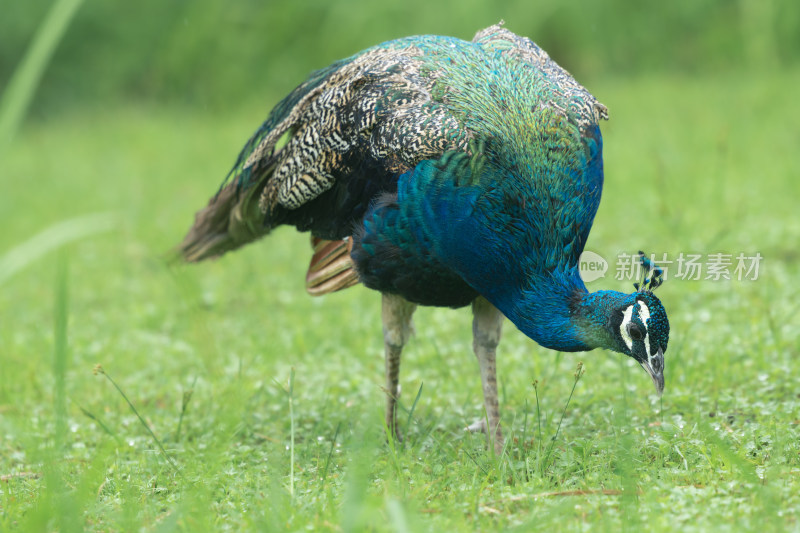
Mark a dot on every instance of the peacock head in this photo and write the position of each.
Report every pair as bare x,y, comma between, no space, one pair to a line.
640,325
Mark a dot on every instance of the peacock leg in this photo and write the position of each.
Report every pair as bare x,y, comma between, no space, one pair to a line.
396,313
486,327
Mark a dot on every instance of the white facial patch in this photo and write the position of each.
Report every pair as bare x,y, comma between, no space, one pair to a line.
623,327
644,314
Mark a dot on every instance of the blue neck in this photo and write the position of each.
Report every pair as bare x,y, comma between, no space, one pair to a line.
544,310
557,312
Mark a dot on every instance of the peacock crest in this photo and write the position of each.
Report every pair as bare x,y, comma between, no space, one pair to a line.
652,274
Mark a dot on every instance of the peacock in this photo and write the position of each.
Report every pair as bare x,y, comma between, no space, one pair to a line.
448,173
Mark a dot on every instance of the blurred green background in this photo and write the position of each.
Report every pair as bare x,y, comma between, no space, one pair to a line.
138,116
211,54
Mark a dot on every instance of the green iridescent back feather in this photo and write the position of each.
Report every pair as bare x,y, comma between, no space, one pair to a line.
356,125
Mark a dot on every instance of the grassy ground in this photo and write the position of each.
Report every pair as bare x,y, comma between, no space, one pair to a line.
205,354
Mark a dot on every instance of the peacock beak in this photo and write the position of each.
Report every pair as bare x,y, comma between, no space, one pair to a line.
654,366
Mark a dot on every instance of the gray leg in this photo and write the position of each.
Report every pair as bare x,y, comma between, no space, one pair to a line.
396,313
486,325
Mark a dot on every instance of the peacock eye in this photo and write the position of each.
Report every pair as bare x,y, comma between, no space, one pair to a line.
635,332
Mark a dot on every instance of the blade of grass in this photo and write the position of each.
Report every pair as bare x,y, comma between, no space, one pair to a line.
474,460
361,457
98,369
391,441
60,351
413,407
539,422
330,454
629,479
100,423
578,373
187,397
397,516
291,419
51,238
522,449
62,504
22,86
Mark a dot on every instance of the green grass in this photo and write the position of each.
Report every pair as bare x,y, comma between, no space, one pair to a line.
211,355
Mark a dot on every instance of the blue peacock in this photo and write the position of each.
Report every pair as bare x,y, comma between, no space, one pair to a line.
448,173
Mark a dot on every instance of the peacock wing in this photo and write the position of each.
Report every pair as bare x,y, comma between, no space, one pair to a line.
349,131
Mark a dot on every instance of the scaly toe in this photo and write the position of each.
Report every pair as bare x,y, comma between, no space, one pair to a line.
479,426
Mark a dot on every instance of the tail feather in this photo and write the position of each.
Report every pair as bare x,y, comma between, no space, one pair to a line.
230,220
331,267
